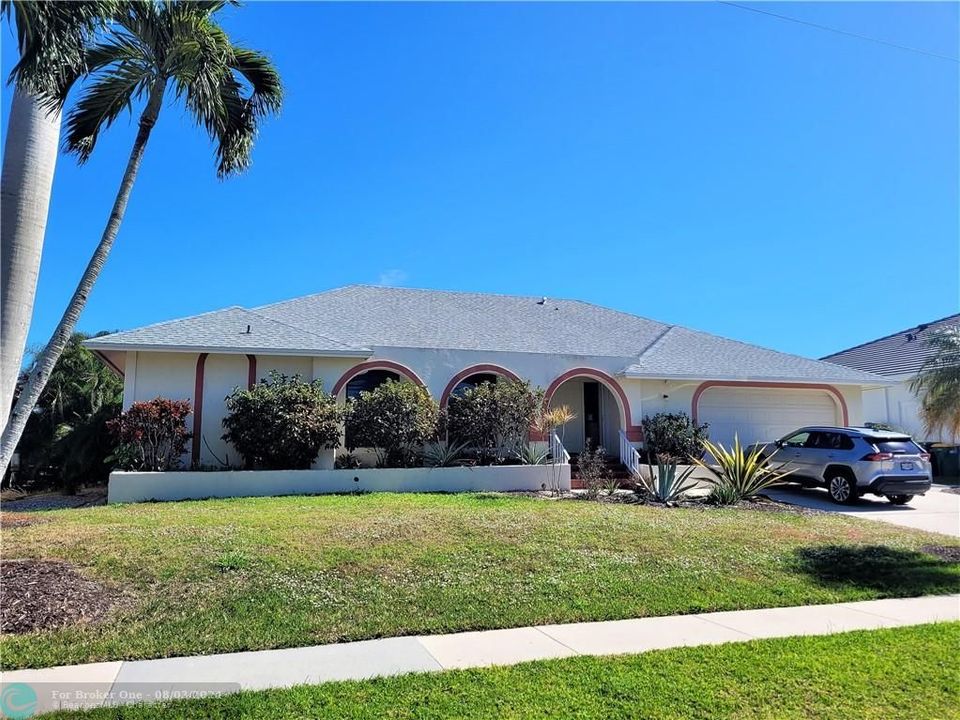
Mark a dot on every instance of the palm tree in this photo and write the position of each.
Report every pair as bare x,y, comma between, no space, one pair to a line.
51,37
937,384
155,46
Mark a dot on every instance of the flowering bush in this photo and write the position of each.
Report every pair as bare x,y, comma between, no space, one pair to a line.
151,435
282,423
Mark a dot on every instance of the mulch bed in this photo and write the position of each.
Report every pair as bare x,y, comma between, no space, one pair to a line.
57,501
950,553
760,503
38,595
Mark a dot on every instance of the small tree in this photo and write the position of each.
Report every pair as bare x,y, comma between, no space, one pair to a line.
152,435
494,418
395,420
673,436
282,422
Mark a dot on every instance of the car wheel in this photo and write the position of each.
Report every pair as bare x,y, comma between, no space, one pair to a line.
899,499
842,489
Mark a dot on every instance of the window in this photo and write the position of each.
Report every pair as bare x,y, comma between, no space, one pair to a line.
473,381
830,441
370,380
897,446
797,440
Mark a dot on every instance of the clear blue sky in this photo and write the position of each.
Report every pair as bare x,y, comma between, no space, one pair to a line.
694,163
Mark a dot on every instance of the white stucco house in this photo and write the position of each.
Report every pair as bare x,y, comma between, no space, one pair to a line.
898,358
610,367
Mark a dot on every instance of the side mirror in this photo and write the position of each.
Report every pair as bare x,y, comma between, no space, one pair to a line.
778,443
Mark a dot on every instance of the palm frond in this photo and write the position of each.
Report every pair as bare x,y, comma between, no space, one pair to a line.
51,37
102,101
937,384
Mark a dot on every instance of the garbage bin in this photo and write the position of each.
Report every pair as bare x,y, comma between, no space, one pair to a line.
946,461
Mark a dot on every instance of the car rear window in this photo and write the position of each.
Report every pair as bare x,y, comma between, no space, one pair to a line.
897,446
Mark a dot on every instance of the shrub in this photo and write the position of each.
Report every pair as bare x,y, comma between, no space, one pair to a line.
151,435
494,418
673,436
395,420
739,473
592,469
282,422
666,484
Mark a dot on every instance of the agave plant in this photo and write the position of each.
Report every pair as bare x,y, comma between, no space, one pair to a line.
443,454
529,454
668,484
739,473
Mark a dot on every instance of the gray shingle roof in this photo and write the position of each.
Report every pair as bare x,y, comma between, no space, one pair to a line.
687,353
356,319
897,354
225,330
400,317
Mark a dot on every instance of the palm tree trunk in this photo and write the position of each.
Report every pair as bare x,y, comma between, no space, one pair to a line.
43,367
29,160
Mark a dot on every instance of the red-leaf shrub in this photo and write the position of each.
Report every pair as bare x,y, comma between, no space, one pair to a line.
152,435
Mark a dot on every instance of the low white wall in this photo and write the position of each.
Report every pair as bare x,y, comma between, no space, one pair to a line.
188,485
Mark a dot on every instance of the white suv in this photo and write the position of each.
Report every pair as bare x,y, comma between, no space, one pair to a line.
851,461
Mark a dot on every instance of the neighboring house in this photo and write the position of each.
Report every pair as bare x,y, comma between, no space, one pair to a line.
610,367
897,357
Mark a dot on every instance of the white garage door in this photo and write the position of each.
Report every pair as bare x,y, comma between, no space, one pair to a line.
763,414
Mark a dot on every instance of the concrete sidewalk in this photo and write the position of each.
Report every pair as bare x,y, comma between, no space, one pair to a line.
151,680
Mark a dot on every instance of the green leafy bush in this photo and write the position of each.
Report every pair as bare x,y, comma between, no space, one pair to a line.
494,418
282,422
395,419
151,435
67,441
738,473
673,436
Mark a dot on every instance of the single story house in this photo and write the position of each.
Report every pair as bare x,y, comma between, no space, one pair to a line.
898,358
611,368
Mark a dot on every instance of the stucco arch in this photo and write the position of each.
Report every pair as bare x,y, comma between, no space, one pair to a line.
376,365
633,432
473,370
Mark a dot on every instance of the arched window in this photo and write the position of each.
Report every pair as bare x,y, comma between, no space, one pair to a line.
370,380
474,380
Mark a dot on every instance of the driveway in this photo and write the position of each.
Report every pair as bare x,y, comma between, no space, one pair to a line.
937,511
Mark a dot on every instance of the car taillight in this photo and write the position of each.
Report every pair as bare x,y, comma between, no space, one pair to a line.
878,457
925,457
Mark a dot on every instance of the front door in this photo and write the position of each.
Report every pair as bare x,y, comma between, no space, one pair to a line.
591,416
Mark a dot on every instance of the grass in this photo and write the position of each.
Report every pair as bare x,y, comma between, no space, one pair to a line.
255,573
884,674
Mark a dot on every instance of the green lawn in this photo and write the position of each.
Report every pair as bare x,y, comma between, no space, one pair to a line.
882,674
225,575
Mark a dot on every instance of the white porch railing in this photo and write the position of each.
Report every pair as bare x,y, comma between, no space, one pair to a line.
557,451
629,455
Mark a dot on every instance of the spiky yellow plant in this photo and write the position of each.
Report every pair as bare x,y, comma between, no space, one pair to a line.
738,473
